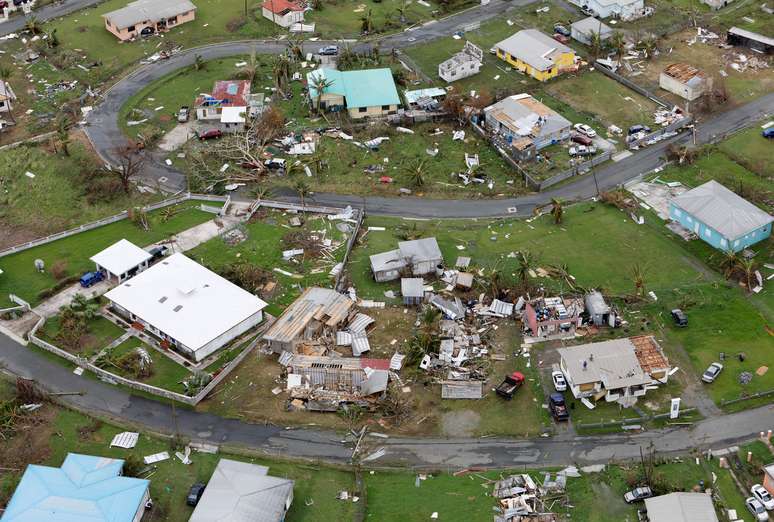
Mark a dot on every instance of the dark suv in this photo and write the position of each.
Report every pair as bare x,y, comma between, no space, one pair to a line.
195,494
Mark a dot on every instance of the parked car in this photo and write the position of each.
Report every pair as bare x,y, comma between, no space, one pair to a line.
711,373
210,134
275,163
585,129
580,138
183,114
588,11
636,129
510,384
560,29
157,252
558,407
768,133
91,278
195,494
756,508
638,494
561,38
679,317
763,496
582,150
560,383
329,50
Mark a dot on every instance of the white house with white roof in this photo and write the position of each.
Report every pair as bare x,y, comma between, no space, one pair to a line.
121,260
187,306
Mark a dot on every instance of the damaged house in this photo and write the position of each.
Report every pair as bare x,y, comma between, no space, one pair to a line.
619,370
684,80
303,321
465,63
335,379
536,54
552,318
6,96
419,257
146,17
526,125
227,105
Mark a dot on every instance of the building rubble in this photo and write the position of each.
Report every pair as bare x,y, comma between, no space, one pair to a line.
521,499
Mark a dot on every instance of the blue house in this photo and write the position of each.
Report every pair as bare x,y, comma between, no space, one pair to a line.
364,93
721,218
84,489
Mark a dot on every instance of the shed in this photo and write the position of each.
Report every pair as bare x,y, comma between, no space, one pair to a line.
387,266
423,254
582,30
412,290
681,507
684,80
597,308
755,41
243,491
122,260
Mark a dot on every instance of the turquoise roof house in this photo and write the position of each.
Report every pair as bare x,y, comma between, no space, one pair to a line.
721,218
364,93
84,489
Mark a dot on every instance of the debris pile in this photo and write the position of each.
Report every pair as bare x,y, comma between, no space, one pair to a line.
521,499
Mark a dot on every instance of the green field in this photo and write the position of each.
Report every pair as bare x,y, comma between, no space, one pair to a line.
166,373
22,279
54,199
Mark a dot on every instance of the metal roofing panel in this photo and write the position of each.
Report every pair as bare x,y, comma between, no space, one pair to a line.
533,47
681,507
360,323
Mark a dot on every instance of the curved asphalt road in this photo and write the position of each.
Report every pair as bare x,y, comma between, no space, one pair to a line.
110,401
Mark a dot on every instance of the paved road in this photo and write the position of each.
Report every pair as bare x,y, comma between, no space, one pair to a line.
106,135
48,12
146,414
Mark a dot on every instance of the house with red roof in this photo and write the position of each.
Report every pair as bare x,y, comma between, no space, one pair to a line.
283,12
226,106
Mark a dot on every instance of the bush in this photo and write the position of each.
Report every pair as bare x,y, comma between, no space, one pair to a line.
235,24
59,269
133,465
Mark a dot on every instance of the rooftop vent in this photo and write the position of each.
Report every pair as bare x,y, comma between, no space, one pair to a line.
164,298
177,308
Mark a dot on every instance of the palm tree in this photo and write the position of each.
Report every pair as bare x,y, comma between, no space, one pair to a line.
5,76
263,192
320,84
638,278
302,188
296,47
281,72
557,210
747,266
595,43
63,134
650,45
428,323
618,43
33,25
416,174
199,63
366,23
52,40
729,263
526,263
250,70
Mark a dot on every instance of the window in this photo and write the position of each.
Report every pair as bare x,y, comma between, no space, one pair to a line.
723,243
678,213
172,21
362,109
385,107
130,28
707,232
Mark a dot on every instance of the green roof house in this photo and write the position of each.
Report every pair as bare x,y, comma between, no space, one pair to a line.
365,93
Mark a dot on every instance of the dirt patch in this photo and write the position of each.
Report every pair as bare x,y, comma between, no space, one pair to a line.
461,423
29,443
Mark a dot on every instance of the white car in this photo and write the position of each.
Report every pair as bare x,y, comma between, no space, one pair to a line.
560,384
757,509
585,129
763,496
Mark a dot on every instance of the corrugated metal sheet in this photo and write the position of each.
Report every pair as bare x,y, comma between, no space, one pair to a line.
343,339
360,323
360,344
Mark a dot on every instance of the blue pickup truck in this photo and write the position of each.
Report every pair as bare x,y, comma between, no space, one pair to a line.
91,278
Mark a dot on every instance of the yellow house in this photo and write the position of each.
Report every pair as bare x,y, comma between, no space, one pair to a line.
536,54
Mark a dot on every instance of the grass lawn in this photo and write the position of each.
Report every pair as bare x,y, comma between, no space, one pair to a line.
263,247
22,279
599,244
53,200
101,332
167,374
606,100
750,149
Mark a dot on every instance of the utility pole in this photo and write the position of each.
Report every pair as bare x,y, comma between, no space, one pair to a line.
594,174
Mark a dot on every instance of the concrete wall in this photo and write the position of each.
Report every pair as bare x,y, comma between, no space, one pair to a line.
712,236
459,72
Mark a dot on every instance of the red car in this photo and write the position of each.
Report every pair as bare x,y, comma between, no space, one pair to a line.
561,38
580,138
210,134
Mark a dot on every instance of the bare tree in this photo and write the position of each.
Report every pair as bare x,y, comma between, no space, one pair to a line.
131,161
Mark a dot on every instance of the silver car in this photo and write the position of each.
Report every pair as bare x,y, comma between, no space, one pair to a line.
711,373
756,508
